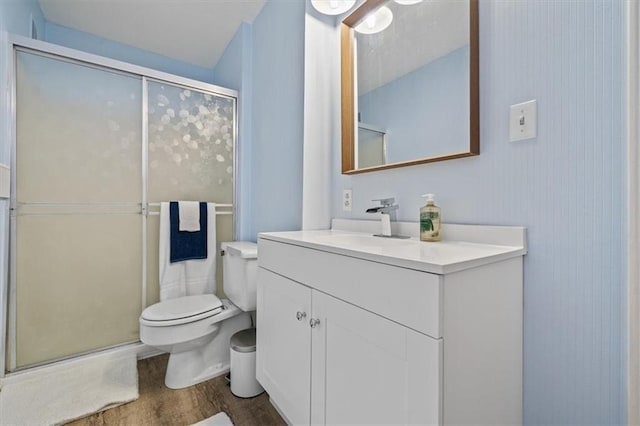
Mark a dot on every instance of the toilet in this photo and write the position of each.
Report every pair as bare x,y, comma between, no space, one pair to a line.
195,330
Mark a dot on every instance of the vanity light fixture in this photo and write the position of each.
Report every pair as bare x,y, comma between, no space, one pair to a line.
376,21
408,2
332,7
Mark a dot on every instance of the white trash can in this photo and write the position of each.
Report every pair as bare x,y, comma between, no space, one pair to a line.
243,364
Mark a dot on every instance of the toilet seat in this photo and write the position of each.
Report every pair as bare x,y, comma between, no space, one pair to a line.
181,310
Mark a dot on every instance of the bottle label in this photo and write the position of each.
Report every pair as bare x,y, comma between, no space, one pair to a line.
430,226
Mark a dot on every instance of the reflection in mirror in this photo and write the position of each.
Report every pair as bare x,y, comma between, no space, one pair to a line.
414,82
372,146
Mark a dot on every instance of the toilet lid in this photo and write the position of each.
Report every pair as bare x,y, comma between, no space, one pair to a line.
182,307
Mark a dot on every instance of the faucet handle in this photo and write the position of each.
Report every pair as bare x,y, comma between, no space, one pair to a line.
386,202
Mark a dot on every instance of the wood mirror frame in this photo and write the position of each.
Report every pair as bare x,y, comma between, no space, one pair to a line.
349,88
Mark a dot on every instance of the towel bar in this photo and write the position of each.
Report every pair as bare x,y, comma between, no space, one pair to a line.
217,213
135,208
218,206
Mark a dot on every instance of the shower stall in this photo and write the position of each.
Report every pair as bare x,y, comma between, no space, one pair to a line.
97,145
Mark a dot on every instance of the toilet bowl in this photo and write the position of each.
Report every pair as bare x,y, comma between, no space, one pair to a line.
195,330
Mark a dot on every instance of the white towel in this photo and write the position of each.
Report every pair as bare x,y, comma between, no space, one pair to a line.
190,277
189,216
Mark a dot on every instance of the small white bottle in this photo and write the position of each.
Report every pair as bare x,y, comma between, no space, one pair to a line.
430,220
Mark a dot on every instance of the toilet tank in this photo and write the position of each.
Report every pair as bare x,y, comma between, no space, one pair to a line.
239,273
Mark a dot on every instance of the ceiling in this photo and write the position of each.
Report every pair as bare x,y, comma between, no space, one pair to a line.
193,31
419,34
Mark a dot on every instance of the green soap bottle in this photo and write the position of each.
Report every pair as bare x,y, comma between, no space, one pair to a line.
430,220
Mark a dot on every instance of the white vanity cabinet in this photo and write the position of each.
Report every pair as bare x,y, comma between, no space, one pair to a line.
366,369
284,360
347,338
369,370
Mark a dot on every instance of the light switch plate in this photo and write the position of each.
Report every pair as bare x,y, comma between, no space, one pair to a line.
523,121
347,200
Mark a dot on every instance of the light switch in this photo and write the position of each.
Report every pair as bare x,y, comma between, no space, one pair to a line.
523,121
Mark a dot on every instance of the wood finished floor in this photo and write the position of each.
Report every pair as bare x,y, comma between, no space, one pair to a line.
159,405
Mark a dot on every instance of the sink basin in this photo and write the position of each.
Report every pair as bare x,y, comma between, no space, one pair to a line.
363,240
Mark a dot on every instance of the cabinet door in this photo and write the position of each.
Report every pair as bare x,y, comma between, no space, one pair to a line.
283,352
369,370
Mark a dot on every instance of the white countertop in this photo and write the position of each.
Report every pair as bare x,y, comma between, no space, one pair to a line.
442,257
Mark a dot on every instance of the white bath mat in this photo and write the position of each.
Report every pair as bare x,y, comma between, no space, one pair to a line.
220,419
68,390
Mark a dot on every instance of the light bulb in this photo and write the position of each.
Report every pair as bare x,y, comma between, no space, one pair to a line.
376,21
371,21
332,7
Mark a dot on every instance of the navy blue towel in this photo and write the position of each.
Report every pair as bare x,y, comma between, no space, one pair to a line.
186,245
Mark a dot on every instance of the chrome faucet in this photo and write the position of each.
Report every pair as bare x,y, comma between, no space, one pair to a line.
387,214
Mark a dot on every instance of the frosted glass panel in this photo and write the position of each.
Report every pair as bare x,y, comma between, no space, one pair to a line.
191,142
79,284
79,132
79,189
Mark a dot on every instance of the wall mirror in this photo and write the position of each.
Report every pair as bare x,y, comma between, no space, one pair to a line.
410,89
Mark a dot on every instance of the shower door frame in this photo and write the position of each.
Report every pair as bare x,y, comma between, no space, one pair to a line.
8,287
633,217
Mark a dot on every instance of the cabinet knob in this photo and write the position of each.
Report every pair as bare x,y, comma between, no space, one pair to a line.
301,315
314,322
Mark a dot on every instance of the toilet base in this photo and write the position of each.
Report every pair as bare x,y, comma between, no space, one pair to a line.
197,365
176,378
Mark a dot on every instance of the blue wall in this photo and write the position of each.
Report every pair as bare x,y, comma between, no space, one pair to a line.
15,17
234,70
567,187
278,95
86,42
267,67
423,111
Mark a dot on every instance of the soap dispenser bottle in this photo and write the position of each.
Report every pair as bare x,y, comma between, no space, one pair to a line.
430,220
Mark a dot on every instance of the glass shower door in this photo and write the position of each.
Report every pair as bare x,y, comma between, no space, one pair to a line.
77,211
191,155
